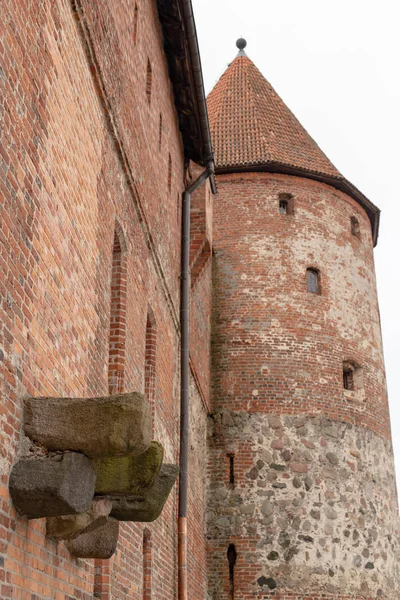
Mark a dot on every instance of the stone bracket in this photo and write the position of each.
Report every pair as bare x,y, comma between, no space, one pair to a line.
99,467
71,526
147,506
53,485
97,427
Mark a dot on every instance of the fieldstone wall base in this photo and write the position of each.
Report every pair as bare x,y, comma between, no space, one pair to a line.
312,511
147,507
128,474
100,543
52,486
97,427
71,526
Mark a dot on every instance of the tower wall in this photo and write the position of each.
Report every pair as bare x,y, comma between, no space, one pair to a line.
301,476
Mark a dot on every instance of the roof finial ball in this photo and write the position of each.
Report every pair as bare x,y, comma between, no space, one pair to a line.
241,44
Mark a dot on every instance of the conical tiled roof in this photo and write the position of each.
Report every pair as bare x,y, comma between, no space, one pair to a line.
252,128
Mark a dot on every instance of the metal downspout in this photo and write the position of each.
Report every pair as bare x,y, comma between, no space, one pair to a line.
184,422
194,51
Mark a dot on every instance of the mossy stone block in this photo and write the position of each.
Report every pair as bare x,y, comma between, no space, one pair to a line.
148,506
98,427
128,474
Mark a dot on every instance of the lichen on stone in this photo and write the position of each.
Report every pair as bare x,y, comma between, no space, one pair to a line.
128,474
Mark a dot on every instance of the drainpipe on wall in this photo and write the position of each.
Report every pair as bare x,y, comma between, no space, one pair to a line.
184,424
194,53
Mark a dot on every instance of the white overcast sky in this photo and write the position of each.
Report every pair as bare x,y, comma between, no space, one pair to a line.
335,63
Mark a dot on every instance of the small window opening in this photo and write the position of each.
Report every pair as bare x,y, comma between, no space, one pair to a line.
348,379
232,555
355,227
149,76
352,377
286,204
135,23
313,281
169,172
283,207
160,127
231,458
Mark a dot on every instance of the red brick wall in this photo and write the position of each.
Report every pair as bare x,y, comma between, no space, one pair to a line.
278,347
201,281
80,151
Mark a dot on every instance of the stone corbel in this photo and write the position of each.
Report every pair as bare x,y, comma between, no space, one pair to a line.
70,527
97,466
97,427
146,506
52,485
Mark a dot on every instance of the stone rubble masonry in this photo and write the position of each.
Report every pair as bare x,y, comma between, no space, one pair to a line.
53,485
79,152
312,508
98,427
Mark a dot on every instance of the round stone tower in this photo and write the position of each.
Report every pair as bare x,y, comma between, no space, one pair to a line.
302,498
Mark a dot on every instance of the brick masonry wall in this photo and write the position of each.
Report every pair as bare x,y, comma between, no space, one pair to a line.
313,508
200,325
80,151
277,346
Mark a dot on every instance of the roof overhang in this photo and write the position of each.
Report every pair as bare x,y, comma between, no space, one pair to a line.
340,183
182,52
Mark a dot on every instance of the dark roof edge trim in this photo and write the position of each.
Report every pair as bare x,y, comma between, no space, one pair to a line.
197,72
340,183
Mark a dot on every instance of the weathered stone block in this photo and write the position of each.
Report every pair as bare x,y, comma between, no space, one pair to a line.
52,486
147,507
100,543
98,427
69,527
128,474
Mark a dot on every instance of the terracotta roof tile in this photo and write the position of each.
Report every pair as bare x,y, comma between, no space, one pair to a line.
252,127
250,124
